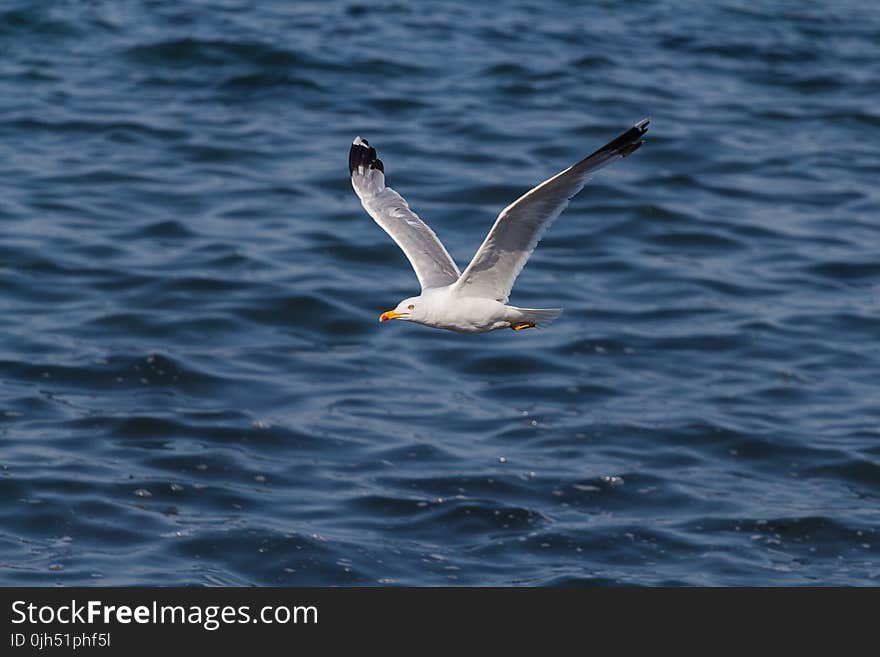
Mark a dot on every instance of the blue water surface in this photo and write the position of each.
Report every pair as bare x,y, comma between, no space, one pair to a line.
194,386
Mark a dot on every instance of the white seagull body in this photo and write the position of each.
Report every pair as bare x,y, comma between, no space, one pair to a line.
476,301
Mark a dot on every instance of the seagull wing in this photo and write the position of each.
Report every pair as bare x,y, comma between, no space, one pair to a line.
521,224
426,253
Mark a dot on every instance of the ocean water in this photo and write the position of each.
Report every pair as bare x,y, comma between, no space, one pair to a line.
194,386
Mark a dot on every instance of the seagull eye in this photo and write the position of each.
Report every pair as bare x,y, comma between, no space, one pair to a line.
410,307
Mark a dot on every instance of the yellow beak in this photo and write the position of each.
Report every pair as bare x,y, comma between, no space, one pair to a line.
384,317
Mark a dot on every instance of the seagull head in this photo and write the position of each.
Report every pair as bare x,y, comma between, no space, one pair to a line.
408,309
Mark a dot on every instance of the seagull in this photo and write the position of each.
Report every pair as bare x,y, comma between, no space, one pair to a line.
475,301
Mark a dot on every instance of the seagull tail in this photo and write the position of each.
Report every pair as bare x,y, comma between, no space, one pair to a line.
533,317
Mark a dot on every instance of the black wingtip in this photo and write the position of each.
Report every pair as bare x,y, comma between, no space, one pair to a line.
629,141
363,155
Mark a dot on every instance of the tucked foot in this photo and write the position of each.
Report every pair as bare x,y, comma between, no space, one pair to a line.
519,326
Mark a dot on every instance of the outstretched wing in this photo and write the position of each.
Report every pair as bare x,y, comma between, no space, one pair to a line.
426,254
521,224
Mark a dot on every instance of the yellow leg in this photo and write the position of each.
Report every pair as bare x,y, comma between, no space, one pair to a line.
519,326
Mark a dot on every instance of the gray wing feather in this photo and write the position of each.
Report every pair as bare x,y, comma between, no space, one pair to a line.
519,227
427,255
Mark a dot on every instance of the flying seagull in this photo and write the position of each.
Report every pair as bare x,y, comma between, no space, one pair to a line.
475,301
